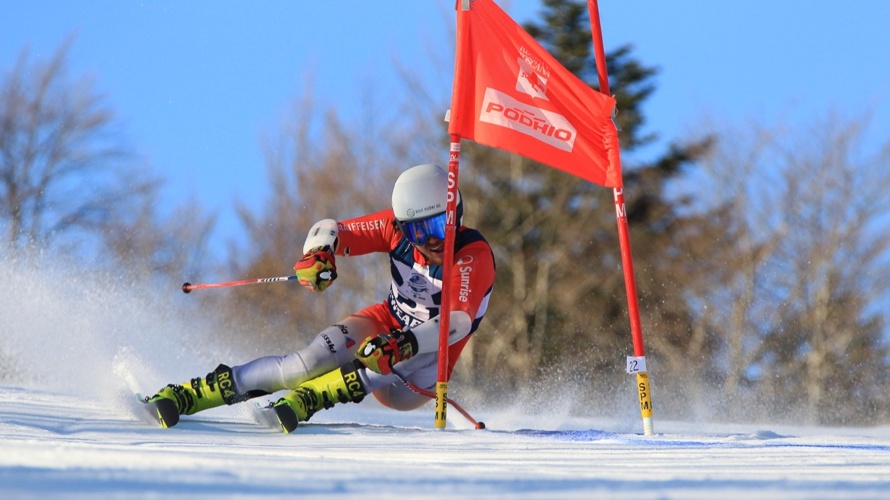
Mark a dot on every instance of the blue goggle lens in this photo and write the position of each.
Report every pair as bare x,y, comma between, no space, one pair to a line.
419,231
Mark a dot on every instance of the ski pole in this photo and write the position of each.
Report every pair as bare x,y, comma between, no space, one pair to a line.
188,287
431,395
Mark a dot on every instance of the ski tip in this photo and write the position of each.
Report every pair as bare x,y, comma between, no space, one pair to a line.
287,418
163,411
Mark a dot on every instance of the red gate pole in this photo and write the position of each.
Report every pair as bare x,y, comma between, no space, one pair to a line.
637,363
445,312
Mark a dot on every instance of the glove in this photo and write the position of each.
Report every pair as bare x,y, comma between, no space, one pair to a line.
380,352
317,269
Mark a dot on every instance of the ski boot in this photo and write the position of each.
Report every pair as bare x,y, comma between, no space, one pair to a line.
338,386
199,394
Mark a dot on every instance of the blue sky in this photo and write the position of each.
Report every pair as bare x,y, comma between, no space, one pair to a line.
199,84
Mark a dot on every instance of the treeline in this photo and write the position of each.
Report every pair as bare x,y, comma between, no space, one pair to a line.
759,252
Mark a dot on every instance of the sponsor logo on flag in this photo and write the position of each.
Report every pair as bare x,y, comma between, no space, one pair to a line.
548,127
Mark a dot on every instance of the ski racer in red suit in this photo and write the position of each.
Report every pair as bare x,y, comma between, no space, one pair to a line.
377,349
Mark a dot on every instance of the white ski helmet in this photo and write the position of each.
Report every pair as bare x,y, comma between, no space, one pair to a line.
421,192
419,201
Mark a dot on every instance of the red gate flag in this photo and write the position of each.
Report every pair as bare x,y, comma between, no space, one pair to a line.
510,93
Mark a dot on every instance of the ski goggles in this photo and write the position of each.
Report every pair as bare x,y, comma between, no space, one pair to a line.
419,231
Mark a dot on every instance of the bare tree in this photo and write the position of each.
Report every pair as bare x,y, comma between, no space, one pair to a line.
69,185
794,294
154,247
319,167
739,235
832,267
63,163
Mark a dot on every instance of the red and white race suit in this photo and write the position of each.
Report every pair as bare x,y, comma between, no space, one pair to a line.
414,299
415,294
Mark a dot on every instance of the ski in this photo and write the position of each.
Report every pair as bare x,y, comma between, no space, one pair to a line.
163,411
266,415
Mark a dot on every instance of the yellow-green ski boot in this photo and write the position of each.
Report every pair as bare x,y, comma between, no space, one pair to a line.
338,386
199,394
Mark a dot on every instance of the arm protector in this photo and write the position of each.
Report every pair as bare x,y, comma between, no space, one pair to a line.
427,334
323,233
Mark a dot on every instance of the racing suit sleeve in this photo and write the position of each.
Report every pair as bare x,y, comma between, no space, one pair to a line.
366,234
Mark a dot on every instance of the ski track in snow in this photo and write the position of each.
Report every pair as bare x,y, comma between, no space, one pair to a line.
58,445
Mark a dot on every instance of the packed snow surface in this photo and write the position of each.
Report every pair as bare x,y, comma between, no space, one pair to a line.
76,346
61,445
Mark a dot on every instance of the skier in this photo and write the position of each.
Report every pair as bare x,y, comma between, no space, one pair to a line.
377,349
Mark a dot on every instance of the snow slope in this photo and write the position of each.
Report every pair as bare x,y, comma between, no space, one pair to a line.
63,446
76,345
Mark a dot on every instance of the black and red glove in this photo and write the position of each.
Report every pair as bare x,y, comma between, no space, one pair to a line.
380,352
